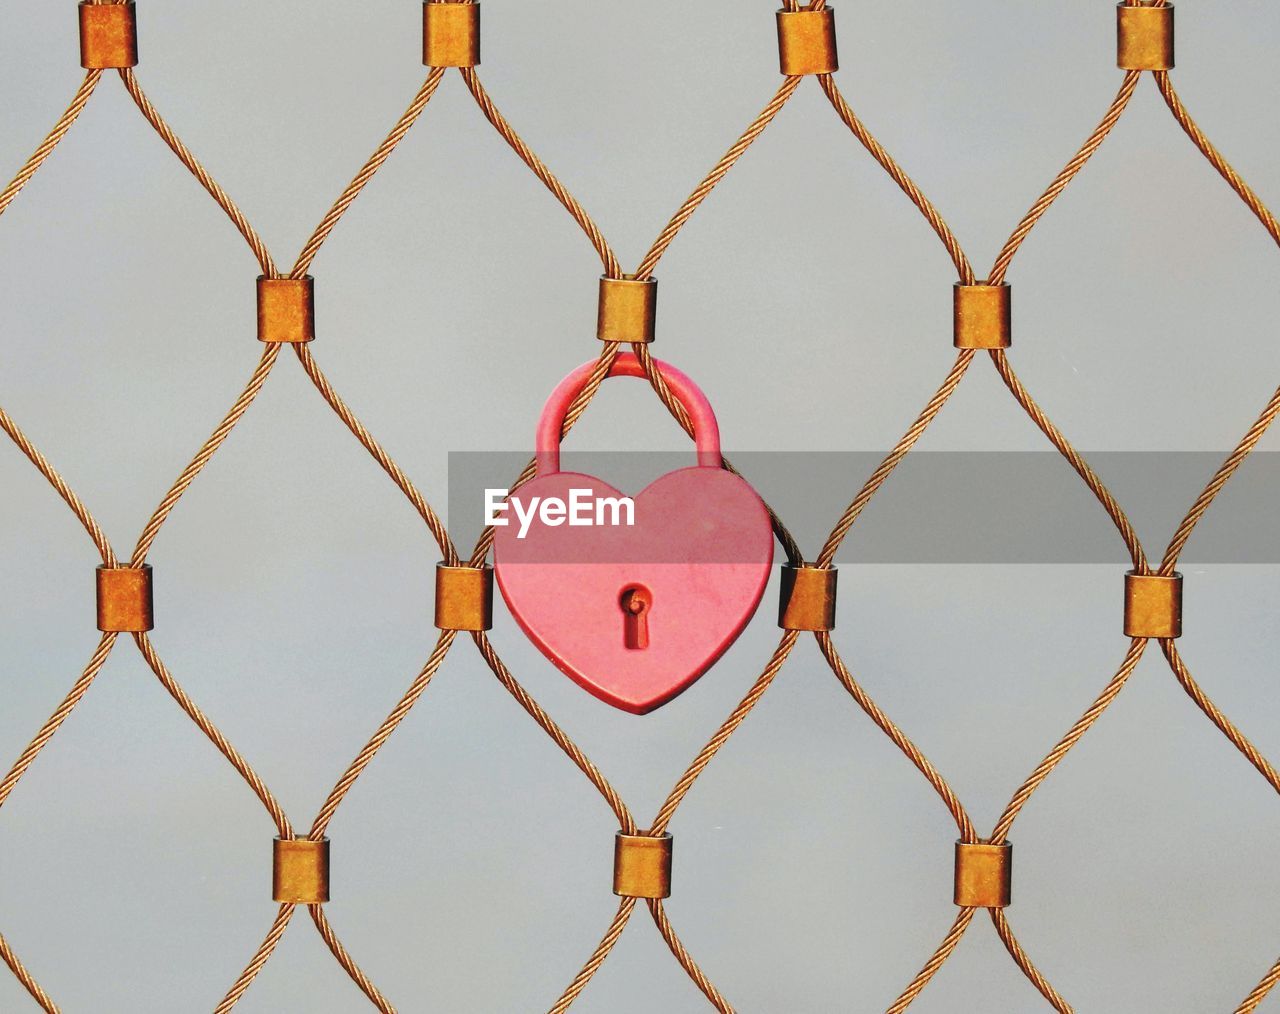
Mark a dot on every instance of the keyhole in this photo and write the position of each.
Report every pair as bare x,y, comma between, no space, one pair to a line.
635,601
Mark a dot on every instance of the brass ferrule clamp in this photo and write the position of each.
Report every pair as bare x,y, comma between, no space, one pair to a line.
807,42
983,316
300,871
464,597
807,598
1144,37
984,875
628,309
450,34
125,603
642,866
108,36
286,309
1152,605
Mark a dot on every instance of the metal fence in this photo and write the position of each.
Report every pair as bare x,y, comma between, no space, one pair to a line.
807,50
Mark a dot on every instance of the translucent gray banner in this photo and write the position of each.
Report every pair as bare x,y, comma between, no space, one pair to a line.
939,507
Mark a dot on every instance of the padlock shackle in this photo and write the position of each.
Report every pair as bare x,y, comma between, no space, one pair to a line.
706,433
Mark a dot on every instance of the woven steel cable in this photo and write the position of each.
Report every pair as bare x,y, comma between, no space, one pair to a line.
940,785
608,354
429,516
608,259
203,456
207,450
1259,427
899,738
599,372
268,359
1139,560
577,407
722,734
1074,458
61,487
281,922
593,964
77,506
626,821
1140,564
215,736
189,160
1202,700
1251,1002
188,475
891,461
682,215
659,913
366,173
389,725
419,685
26,979
611,796
709,182
827,556
59,131
935,962
206,180
699,199
612,268
348,964
1219,480
28,756
1068,173
1068,741
908,186
681,790
420,504
667,236
1001,922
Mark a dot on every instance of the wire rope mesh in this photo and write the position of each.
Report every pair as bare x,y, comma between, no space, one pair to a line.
965,361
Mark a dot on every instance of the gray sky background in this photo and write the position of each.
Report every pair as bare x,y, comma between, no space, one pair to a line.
812,303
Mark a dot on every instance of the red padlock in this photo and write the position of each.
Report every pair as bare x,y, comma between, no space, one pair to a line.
634,613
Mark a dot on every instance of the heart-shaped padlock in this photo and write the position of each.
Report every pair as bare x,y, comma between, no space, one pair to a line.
635,613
